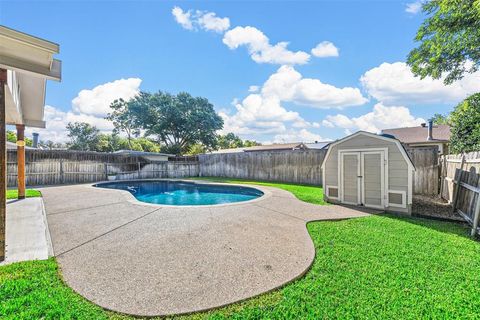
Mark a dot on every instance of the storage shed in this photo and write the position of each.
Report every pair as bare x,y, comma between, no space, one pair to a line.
369,170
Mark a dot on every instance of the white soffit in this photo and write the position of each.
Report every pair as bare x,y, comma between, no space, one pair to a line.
31,61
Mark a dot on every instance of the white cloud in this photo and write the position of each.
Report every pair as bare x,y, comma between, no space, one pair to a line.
90,105
183,18
253,88
257,114
97,101
260,49
289,85
302,135
200,19
381,117
262,112
57,120
414,7
394,83
210,22
325,49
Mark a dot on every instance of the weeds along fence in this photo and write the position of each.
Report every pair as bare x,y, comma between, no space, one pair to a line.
53,167
460,185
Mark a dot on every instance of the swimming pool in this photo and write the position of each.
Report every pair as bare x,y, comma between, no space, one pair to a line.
183,193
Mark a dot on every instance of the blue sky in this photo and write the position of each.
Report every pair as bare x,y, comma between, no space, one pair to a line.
219,50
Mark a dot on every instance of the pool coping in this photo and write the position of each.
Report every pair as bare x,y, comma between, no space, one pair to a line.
131,198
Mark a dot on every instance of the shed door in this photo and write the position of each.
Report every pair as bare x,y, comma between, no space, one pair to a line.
373,179
350,163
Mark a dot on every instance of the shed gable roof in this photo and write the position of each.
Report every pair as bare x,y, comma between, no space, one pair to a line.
372,135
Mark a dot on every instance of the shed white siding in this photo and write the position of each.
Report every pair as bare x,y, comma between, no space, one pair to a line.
398,176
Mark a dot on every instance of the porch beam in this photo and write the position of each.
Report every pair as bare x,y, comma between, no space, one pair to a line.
3,164
21,160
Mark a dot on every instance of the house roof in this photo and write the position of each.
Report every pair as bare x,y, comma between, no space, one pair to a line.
267,147
440,133
30,63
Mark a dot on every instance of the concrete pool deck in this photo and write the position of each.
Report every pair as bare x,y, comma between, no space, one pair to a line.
148,260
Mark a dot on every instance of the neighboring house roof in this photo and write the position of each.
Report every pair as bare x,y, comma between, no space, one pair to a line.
267,147
318,145
440,133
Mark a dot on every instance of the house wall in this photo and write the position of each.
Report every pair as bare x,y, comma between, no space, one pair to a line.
397,165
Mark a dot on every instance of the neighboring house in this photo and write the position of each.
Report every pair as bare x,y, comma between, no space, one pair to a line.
422,136
318,144
268,147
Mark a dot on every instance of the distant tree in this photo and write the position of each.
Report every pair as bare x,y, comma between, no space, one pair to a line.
465,120
12,137
195,149
123,120
251,143
229,140
83,136
50,145
449,40
177,121
438,119
147,145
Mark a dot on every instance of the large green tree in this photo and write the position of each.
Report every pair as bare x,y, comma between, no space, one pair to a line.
449,40
83,136
465,120
177,121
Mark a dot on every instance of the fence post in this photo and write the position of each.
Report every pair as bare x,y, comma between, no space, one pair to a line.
105,165
456,184
138,174
476,216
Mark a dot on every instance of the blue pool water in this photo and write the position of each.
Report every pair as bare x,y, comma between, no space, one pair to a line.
183,193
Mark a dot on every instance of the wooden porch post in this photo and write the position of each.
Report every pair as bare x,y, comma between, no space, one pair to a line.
21,160
3,164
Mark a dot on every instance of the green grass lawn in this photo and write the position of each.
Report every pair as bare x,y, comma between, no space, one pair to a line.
374,267
29,193
305,193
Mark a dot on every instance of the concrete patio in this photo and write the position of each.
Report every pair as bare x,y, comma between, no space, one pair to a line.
147,260
28,237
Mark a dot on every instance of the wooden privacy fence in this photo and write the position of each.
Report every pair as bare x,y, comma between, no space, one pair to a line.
296,166
304,166
460,185
51,167
427,175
